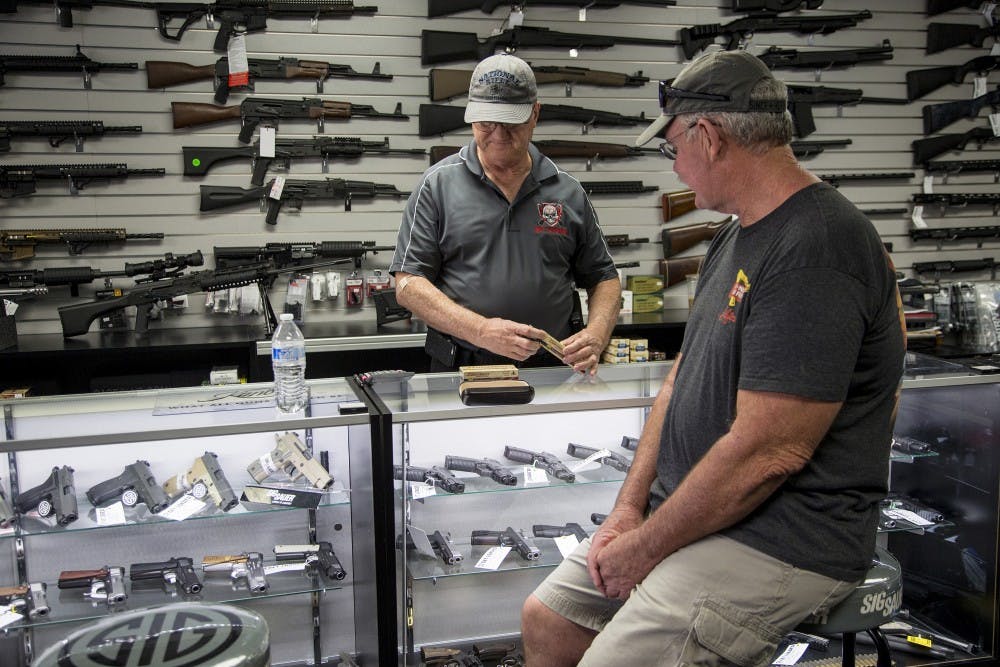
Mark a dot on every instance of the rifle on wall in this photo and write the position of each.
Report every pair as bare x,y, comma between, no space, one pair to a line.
920,82
18,180
448,83
17,244
294,254
76,63
931,147
955,167
802,99
939,116
436,119
942,234
943,36
935,7
959,199
170,266
676,269
679,239
437,8
777,58
558,149
60,131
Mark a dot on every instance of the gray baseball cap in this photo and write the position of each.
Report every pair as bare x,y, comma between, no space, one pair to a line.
502,90
716,81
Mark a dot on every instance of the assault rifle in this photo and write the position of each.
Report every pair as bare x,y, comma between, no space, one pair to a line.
295,192
166,73
437,8
77,63
442,46
675,270
939,116
254,110
960,199
558,149
17,244
920,82
198,160
76,319
622,240
836,179
942,234
19,180
953,167
943,36
802,99
597,188
935,7
808,148
678,239
438,119
64,8
777,58
696,38
448,83
74,276
955,266
59,131
759,6
931,147
294,254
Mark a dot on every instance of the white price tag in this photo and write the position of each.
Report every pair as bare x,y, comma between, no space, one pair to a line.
515,19
928,184
182,508
8,307
979,86
791,654
239,68
533,475
995,120
995,51
112,515
907,515
599,454
574,53
582,15
493,557
267,137
566,544
420,490
279,185
284,567
987,10
9,616
267,464
918,217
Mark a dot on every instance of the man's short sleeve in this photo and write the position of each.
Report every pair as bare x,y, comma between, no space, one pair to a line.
417,246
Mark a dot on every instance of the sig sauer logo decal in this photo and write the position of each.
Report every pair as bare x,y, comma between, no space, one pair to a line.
736,293
550,219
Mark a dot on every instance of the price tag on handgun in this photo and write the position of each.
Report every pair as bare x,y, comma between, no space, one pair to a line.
533,475
553,346
493,557
185,506
586,463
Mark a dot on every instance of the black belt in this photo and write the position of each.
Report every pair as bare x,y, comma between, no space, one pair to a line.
447,354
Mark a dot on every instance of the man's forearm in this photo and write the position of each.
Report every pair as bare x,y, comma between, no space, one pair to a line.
434,307
604,301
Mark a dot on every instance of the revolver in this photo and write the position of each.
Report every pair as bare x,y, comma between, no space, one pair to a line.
612,460
6,511
106,584
541,530
249,566
436,475
177,571
56,495
204,478
135,485
486,467
544,460
436,542
30,597
507,538
321,556
290,456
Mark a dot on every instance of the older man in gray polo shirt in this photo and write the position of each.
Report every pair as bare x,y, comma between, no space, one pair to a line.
494,239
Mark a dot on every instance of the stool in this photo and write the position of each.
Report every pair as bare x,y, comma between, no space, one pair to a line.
872,603
184,633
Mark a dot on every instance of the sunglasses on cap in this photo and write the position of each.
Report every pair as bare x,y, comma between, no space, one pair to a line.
668,92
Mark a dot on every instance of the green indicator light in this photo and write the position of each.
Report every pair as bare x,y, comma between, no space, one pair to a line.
196,162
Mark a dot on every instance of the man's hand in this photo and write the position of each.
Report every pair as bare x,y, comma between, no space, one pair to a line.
583,351
622,564
508,338
618,523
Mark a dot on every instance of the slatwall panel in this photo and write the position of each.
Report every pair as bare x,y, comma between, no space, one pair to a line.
881,134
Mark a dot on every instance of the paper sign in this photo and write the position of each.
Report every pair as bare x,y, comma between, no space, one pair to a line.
111,516
9,616
182,508
493,557
533,475
791,655
567,544
420,490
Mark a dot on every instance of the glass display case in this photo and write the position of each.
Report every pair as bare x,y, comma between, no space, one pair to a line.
274,512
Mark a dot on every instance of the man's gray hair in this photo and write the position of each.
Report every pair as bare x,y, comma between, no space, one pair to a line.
755,131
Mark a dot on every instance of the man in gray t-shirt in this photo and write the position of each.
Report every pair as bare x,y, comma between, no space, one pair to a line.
495,238
752,501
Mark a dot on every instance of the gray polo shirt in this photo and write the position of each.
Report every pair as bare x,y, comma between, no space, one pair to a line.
518,260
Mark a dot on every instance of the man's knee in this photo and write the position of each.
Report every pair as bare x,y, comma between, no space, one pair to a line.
534,614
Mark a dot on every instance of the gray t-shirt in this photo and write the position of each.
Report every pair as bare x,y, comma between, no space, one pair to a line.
515,260
801,302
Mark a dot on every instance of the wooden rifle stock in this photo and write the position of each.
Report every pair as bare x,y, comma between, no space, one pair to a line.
676,204
331,109
187,114
674,270
166,73
679,239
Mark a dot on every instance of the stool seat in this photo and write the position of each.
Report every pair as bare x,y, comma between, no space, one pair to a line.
871,604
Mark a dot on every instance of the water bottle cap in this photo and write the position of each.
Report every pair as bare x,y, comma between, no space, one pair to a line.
286,317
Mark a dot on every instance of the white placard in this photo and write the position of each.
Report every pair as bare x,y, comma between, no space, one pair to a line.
566,544
918,217
276,189
533,475
113,515
928,184
182,508
791,654
979,86
420,490
907,515
268,133
9,616
599,454
493,557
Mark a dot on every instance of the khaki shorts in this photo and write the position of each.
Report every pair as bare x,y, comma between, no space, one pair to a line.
715,602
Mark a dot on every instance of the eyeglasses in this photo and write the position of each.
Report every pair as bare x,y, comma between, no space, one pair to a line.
489,125
668,148
668,92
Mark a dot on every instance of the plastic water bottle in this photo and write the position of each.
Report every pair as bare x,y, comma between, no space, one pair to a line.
288,360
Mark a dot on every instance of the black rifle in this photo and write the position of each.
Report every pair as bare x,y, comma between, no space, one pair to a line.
697,37
18,180
198,160
574,529
254,110
295,254
954,266
177,571
884,211
435,475
597,188
953,167
939,116
56,495
621,240
559,149
935,7
64,8
485,467
441,46
295,192
611,459
942,234
136,484
437,8
166,73
74,276
943,36
931,147
59,131
438,119
960,199
802,99
507,538
16,244
448,83
78,63
805,149
547,461
758,6
836,179
76,319
920,82
777,58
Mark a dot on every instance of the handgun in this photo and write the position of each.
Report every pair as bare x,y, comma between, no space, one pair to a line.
107,583
612,460
204,478
436,475
135,485
507,538
291,456
249,566
56,495
542,530
446,656
178,571
485,467
30,598
320,555
439,543
550,463
906,445
630,443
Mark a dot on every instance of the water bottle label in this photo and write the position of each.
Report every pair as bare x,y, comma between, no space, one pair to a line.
287,354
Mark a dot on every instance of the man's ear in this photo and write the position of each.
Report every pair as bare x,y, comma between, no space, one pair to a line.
715,141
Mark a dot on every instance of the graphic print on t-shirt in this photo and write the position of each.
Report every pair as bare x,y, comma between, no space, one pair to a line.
736,293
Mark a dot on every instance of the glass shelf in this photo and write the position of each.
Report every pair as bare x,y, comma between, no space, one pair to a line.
900,457
423,567
593,473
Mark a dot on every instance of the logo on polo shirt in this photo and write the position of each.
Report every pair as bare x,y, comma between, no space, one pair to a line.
550,219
